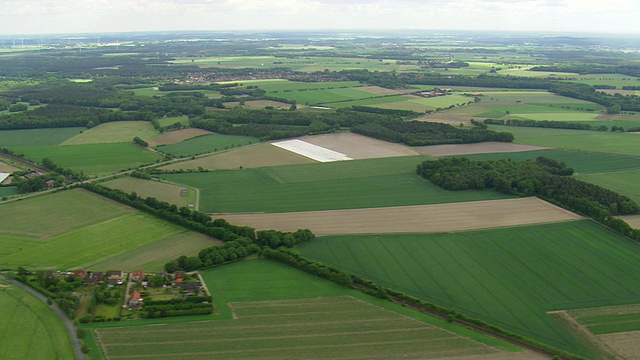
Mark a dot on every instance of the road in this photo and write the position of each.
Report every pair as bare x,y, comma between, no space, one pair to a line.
67,323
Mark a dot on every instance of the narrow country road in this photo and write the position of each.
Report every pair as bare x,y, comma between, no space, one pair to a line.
67,322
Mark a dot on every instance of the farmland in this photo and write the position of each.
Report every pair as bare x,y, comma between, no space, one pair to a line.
37,137
327,186
91,159
114,132
206,144
581,264
153,188
30,329
272,309
176,136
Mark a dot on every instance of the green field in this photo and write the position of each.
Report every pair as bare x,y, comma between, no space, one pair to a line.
29,328
57,213
271,310
509,277
152,257
92,159
153,188
322,186
87,245
8,191
623,182
114,132
37,137
166,121
618,143
206,144
609,320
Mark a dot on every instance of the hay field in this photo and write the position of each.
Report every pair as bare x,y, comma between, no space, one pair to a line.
114,132
478,148
4,167
358,146
258,155
30,329
510,277
152,188
177,136
411,219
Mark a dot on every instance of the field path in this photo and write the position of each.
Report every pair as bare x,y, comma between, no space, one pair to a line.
411,219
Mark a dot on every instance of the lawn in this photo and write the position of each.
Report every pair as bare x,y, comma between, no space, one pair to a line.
206,144
92,159
37,137
53,214
323,186
509,277
114,132
152,257
30,329
153,188
87,245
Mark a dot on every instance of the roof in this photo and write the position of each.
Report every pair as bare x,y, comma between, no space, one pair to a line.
3,176
135,295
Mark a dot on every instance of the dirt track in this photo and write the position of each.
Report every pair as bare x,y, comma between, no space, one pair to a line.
411,219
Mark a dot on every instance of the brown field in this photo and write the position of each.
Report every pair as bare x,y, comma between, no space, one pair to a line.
359,147
150,188
176,136
632,220
260,104
411,219
377,90
4,167
479,148
258,155
625,344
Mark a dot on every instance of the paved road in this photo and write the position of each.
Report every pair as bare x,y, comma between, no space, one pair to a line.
67,322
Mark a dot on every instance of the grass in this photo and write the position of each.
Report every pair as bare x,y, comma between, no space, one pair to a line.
152,257
57,213
323,186
166,121
92,159
617,143
207,144
37,137
114,132
8,191
623,182
88,245
153,188
509,277
273,310
30,329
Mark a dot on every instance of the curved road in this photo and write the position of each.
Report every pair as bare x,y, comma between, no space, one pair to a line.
67,323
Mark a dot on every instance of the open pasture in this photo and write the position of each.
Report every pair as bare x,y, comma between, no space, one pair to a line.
258,155
326,96
623,182
206,144
7,168
8,191
411,219
57,213
92,159
153,188
166,121
617,143
90,244
322,186
484,273
37,137
114,132
177,136
30,329
326,327
152,257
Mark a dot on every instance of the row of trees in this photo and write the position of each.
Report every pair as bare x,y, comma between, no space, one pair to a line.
543,177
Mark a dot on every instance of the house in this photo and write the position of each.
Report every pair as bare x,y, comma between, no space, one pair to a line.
95,278
79,274
137,275
134,299
30,175
178,275
115,277
50,184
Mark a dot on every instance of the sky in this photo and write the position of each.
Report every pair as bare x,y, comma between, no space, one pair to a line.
94,16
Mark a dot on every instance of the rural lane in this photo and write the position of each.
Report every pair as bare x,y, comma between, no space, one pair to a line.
67,322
